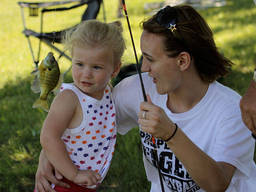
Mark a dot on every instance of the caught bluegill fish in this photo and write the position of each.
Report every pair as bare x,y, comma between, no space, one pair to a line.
46,80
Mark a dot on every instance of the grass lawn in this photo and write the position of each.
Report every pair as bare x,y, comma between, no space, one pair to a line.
234,30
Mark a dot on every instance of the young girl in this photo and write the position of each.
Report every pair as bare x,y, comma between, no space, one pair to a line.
79,133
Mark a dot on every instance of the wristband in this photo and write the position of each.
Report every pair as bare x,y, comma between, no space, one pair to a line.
254,75
174,132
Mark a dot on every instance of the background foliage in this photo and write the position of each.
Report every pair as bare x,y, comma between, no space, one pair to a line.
234,29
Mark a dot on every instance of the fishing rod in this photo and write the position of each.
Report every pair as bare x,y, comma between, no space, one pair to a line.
143,91
134,50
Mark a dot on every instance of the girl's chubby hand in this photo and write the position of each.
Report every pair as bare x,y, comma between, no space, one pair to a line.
153,120
45,176
87,178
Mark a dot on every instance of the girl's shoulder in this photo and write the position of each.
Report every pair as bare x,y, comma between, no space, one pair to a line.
65,100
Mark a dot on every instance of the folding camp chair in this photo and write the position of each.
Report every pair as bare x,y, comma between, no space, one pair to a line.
49,38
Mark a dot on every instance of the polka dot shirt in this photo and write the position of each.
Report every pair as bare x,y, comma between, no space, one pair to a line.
91,145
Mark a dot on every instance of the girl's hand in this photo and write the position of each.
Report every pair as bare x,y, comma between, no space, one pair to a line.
44,176
87,177
154,120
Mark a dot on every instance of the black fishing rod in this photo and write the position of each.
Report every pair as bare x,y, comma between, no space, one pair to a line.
143,92
134,50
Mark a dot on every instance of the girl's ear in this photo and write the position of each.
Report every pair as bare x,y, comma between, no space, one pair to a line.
183,61
116,69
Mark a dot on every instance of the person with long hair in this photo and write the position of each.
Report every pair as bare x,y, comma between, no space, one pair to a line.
200,140
191,129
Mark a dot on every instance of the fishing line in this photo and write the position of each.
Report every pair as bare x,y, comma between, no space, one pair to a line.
143,91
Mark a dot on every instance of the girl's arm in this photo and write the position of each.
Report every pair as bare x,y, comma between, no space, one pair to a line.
57,121
45,176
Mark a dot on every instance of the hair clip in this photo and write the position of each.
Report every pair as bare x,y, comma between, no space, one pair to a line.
166,17
172,27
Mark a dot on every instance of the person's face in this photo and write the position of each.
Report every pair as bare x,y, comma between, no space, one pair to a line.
92,68
163,69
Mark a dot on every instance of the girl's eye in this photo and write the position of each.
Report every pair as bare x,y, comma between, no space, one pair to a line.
79,64
97,67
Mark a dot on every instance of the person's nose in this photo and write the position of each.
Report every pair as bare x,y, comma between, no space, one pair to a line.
87,73
145,67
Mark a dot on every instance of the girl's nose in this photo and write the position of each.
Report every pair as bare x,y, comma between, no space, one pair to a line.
87,73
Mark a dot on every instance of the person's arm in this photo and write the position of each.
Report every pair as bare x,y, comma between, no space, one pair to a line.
206,172
61,113
57,121
126,102
248,106
45,176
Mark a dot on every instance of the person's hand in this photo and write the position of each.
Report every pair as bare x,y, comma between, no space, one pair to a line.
87,178
45,176
248,107
153,120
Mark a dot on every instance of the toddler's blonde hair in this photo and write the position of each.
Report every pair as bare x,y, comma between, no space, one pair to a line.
96,33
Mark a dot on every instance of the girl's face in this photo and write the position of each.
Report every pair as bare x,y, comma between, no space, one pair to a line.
92,68
163,69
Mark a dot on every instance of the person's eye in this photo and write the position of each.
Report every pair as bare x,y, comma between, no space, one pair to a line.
79,64
150,59
97,67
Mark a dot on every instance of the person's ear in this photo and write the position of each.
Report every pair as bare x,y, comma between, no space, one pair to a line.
116,69
183,61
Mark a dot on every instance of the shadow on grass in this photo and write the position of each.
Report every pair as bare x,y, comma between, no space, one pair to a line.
236,16
127,171
19,136
20,147
237,80
231,8
242,50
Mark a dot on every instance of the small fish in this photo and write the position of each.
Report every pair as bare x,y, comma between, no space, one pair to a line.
47,79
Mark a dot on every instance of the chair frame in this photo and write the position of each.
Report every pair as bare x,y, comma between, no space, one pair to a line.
49,38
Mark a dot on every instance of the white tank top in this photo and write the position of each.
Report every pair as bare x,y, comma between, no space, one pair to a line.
91,145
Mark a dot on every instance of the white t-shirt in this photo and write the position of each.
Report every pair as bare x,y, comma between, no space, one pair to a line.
214,125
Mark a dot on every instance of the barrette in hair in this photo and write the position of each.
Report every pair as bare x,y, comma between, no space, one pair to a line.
166,17
172,27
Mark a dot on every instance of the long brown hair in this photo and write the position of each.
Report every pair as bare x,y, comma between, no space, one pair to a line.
184,29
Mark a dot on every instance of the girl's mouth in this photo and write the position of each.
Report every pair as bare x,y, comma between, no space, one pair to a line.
87,84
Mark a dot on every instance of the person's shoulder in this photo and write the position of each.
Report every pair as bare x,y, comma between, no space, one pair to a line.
226,99
67,86
62,108
134,81
66,99
226,93
67,94
128,90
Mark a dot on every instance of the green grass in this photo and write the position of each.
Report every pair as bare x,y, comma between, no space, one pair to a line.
234,29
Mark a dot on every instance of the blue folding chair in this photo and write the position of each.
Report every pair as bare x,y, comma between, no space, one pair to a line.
50,38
